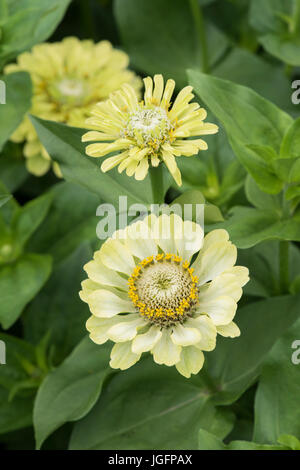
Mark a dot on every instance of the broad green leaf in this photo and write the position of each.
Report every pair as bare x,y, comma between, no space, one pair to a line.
19,283
64,145
248,119
28,218
58,308
208,441
27,23
245,68
145,407
18,102
159,46
4,198
248,226
278,23
70,220
194,201
70,391
290,147
260,199
277,399
289,441
12,169
14,415
236,363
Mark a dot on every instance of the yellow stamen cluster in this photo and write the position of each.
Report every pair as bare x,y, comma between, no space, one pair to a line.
180,304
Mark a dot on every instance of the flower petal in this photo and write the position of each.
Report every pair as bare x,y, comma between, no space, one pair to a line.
139,241
208,332
165,351
98,327
122,357
221,310
224,285
229,331
191,361
104,303
184,336
214,260
99,273
115,255
126,329
147,341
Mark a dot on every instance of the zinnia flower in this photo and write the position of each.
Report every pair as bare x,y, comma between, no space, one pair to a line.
68,77
147,132
146,294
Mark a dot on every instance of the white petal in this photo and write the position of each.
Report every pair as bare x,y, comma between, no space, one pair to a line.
191,361
188,237
229,331
115,255
241,274
214,260
146,341
221,310
88,287
219,235
99,273
165,351
139,241
163,233
122,357
126,330
98,327
184,336
223,285
106,304
208,332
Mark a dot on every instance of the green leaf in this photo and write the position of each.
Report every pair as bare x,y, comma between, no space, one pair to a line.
27,23
208,441
289,441
235,364
64,228
19,283
248,227
290,147
28,218
64,145
58,308
194,199
159,46
69,392
18,102
145,407
248,119
14,415
278,23
260,199
4,198
277,398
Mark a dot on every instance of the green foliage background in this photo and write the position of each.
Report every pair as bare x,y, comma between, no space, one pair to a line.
57,390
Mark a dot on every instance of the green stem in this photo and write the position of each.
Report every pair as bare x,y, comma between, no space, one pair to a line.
296,25
200,30
284,267
157,184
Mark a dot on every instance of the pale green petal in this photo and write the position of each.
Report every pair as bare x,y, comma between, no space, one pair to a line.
221,310
98,327
184,336
139,241
241,274
122,357
165,351
99,273
208,332
191,361
214,260
126,330
229,331
224,285
115,255
147,341
106,304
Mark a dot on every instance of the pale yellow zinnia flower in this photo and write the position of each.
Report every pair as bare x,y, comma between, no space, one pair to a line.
148,132
146,295
69,77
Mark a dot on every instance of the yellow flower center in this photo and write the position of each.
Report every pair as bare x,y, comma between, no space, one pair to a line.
164,289
69,91
149,127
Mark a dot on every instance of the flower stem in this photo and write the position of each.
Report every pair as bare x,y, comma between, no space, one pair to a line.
200,30
157,184
284,269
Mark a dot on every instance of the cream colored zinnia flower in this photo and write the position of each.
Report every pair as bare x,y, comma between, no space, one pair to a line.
68,77
146,295
147,132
